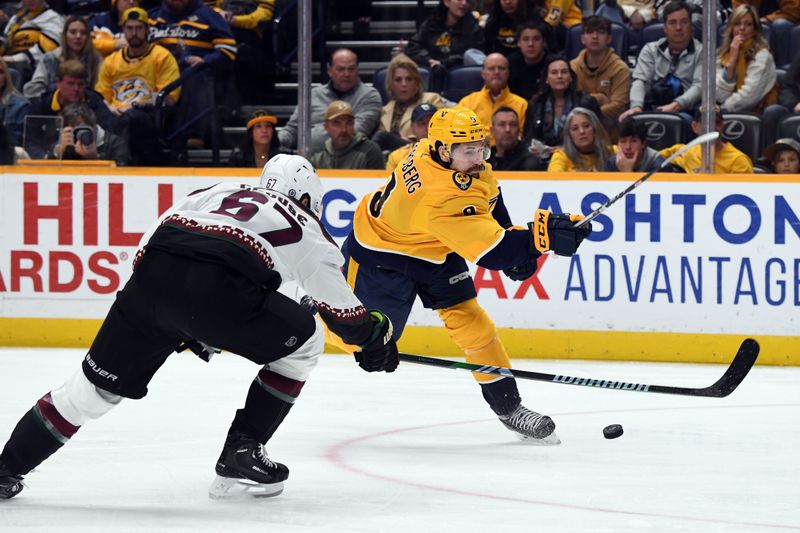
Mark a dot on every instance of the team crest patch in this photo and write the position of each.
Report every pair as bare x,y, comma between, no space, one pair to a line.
462,181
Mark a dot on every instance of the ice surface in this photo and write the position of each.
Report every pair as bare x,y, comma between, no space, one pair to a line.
418,451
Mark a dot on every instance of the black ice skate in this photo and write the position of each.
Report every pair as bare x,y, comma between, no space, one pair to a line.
529,426
243,469
10,484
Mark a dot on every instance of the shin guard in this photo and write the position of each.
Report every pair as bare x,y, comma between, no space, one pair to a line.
38,434
269,399
473,331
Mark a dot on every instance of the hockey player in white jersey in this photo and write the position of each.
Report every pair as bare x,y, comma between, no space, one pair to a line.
206,275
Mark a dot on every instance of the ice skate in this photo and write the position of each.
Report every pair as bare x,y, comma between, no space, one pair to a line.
10,484
531,427
244,470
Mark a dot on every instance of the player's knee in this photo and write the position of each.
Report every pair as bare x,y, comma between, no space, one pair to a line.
468,324
299,364
79,400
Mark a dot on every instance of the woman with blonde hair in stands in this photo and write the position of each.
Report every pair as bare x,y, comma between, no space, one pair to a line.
13,106
586,144
405,90
746,77
76,43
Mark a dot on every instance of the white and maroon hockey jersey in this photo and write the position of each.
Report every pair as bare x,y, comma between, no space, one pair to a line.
260,232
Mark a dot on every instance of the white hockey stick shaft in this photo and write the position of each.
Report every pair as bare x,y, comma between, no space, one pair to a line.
707,137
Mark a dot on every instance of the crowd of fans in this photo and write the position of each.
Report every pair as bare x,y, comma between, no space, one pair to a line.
137,70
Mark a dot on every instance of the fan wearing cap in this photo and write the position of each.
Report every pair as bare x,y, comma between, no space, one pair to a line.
784,154
419,126
130,79
440,208
260,143
727,158
345,148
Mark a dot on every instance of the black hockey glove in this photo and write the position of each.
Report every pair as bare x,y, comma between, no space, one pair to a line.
379,353
522,271
557,232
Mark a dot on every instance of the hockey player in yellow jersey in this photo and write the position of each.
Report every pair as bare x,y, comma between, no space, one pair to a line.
442,206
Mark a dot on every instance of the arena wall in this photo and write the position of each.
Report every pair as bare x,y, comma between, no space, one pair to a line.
682,270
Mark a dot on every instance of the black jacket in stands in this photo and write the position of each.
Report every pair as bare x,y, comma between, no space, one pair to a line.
434,40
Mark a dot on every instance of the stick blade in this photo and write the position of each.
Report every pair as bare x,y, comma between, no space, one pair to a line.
740,366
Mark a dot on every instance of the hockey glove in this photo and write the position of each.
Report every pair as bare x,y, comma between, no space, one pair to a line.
522,271
379,353
557,232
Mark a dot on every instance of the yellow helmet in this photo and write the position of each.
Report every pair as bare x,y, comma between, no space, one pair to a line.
455,125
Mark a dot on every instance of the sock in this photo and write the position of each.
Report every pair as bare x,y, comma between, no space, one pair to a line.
269,399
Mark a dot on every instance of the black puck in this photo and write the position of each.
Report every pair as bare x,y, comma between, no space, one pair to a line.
613,431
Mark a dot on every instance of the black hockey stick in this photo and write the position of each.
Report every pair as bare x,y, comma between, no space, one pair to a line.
733,376
707,137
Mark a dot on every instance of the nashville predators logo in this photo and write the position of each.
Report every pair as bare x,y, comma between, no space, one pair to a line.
443,42
462,181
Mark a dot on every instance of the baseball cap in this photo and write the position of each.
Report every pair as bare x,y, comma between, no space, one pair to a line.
423,111
134,13
338,108
780,145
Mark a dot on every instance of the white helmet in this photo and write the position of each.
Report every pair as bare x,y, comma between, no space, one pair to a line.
295,177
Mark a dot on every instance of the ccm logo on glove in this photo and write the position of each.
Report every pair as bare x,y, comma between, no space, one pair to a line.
557,232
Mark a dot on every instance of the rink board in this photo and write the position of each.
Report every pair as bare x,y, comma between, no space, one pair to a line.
681,270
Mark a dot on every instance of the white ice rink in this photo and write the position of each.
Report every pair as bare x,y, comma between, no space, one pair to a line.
418,451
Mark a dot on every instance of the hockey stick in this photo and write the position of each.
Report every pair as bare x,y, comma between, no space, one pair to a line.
733,376
707,137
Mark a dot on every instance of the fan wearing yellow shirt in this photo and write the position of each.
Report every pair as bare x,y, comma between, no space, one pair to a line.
129,80
412,237
727,158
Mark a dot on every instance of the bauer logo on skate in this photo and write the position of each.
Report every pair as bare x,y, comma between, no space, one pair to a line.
692,254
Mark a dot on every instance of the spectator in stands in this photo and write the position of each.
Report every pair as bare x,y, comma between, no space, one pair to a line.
586,144
746,77
345,148
495,93
13,107
527,64
448,38
501,26
790,86
788,10
599,70
404,87
727,158
82,138
638,13
633,154
509,152
8,156
420,118
71,89
32,32
547,112
668,73
260,143
201,40
106,27
344,85
253,66
565,13
75,44
784,156
130,80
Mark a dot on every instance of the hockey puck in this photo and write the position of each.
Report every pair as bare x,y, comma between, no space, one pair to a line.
613,431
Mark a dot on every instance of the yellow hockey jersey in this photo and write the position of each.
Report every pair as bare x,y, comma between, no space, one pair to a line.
124,80
427,211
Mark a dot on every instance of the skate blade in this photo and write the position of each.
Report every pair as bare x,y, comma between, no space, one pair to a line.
226,488
550,440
